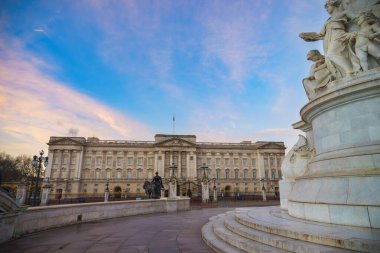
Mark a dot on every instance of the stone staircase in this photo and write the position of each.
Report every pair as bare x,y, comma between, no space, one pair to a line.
269,229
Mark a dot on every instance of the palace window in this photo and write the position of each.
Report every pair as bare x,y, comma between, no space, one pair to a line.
265,163
254,162
254,174
130,160
236,174
139,173
278,162
150,173
97,173
279,174
109,161
273,174
218,161
65,159
218,174
119,161
227,173
87,160
150,161
208,161
266,174
73,158
129,174
86,173
271,160
244,162
118,173
140,161
245,174
108,174
236,161
98,160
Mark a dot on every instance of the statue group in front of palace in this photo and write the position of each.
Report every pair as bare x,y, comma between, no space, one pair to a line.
351,43
153,189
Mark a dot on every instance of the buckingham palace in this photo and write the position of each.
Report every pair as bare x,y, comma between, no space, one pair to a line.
85,167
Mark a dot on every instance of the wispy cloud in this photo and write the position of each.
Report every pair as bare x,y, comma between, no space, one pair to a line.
35,107
232,39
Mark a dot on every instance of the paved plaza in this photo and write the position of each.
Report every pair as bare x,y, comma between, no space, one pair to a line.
164,232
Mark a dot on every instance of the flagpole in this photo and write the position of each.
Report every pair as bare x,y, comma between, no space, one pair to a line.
173,125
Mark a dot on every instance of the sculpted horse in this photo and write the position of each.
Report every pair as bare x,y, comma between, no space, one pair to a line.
149,188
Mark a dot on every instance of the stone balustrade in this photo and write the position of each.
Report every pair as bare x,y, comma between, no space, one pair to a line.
35,219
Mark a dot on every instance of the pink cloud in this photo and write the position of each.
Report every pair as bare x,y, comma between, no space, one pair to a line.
35,107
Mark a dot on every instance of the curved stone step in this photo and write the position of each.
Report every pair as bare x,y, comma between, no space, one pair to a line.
241,242
276,241
274,221
215,242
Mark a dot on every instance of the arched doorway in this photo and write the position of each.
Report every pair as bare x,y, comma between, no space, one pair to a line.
227,190
117,192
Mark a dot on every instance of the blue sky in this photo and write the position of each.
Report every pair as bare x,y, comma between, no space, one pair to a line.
228,70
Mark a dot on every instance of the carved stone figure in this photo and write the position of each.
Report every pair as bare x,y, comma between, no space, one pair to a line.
295,162
367,43
319,74
333,34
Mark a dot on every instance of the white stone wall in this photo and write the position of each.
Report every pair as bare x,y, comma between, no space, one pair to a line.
41,218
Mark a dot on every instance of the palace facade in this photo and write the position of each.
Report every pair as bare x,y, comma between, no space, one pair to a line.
82,167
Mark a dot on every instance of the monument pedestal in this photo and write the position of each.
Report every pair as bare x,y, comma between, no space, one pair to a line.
21,193
173,188
45,195
341,182
205,191
106,196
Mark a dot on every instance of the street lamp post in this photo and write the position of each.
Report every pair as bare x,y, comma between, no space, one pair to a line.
204,167
173,167
37,162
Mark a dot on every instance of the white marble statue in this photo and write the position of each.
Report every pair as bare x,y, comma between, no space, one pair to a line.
367,44
333,34
350,39
319,74
295,162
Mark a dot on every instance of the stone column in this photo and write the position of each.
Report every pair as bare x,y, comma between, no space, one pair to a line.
162,192
45,195
260,165
69,165
162,167
60,164
21,193
215,194
170,163
263,190
78,165
187,165
173,188
50,164
106,195
179,172
205,191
